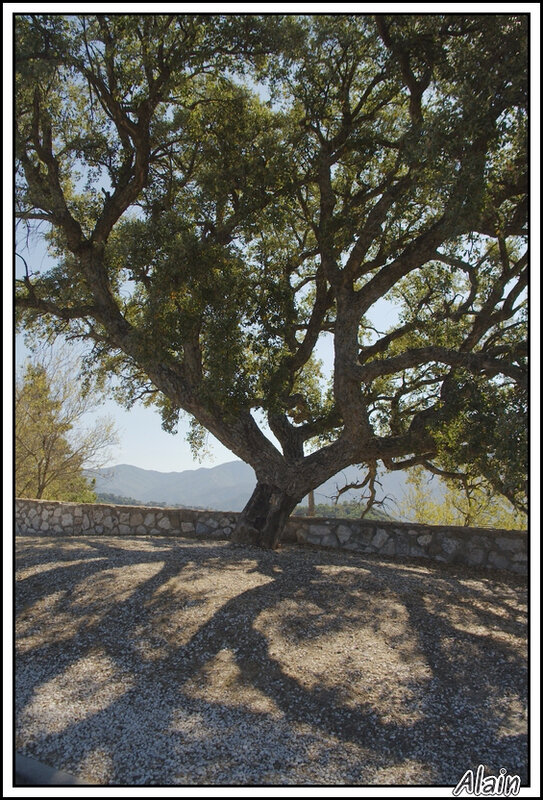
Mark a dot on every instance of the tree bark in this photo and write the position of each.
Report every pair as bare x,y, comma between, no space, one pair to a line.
311,504
263,519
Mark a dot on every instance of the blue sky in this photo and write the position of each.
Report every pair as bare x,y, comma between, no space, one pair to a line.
141,440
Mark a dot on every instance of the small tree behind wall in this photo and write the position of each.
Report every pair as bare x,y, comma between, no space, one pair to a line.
52,443
465,501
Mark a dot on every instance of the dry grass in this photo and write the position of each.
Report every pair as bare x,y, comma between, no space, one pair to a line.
157,660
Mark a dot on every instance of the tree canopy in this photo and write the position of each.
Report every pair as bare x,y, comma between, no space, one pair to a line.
53,444
223,191
469,501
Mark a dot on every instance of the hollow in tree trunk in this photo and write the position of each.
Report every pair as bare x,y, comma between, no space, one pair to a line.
263,519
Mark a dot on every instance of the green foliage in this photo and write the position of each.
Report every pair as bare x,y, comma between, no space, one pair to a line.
45,466
222,191
485,434
469,501
52,444
346,510
117,500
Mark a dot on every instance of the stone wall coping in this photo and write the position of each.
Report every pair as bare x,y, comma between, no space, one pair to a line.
422,526
123,506
295,519
494,548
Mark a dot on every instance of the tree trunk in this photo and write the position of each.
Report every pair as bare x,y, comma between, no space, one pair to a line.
263,519
311,504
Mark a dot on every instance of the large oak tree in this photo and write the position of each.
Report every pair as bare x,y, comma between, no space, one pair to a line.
222,192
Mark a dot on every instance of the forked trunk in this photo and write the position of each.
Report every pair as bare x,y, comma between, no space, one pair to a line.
263,519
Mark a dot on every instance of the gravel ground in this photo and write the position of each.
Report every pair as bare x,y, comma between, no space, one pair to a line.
161,661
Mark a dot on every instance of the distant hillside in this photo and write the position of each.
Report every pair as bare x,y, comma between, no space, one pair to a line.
226,487
117,500
350,510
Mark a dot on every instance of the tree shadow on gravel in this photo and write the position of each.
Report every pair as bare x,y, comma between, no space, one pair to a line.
394,672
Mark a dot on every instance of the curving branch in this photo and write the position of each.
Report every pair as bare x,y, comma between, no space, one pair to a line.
414,357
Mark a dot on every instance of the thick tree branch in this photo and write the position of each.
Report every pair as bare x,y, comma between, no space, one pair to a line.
475,362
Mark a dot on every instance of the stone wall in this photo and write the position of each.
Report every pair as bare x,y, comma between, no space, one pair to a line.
482,547
77,519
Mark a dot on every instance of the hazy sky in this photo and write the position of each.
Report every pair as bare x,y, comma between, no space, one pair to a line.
142,442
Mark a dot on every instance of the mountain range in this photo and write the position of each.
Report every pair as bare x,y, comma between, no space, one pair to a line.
226,487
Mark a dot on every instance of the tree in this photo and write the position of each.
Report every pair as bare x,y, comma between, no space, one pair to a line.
468,501
223,191
311,503
52,446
